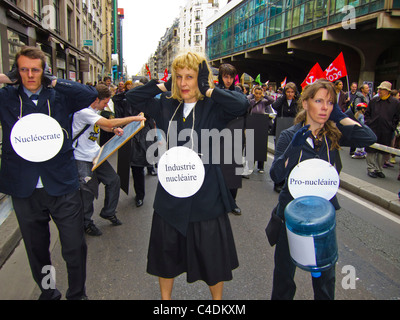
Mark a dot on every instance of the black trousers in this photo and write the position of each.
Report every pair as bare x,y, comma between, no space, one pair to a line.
33,216
284,286
138,181
106,175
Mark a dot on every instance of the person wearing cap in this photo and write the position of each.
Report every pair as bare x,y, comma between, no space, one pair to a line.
382,116
361,108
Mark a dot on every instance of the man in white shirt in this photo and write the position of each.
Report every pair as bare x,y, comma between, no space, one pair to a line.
86,127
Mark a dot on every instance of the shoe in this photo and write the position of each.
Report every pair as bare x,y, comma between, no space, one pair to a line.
237,211
50,295
380,174
152,173
113,219
387,165
261,171
139,202
246,176
92,230
278,188
392,160
359,155
372,174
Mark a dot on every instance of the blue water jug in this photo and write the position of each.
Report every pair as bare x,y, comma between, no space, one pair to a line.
311,229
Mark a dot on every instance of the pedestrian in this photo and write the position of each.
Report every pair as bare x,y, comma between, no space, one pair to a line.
191,234
320,129
391,160
361,96
382,116
138,157
86,127
261,104
286,109
226,80
119,100
341,95
351,94
361,108
47,189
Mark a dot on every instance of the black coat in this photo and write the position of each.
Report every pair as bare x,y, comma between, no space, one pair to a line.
382,116
19,177
213,198
283,109
353,136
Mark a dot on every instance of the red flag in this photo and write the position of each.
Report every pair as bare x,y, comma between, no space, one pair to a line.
337,69
313,75
237,79
148,71
165,79
283,83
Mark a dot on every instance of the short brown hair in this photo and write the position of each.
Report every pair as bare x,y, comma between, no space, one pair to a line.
32,53
227,69
103,91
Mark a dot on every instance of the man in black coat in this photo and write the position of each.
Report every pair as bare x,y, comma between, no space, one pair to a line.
382,116
226,80
47,189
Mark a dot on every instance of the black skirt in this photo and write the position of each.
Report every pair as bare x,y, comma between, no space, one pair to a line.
207,252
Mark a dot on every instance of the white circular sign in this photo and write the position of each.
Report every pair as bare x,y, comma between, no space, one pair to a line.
313,177
37,137
181,172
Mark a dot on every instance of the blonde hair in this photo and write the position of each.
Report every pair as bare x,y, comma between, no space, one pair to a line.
190,60
329,129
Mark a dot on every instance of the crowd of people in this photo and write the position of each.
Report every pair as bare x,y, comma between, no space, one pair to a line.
189,234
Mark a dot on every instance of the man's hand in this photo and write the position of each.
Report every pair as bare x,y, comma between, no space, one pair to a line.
118,131
49,79
12,76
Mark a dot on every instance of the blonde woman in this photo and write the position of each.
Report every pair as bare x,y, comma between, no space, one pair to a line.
320,128
191,234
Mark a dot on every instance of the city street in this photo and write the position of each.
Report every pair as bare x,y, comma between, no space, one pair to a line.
367,240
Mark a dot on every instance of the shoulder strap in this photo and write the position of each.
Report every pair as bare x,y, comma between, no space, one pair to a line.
80,133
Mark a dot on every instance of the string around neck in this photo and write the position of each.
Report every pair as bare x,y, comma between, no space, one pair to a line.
20,107
191,133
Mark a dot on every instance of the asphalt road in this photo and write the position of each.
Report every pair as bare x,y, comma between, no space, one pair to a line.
367,241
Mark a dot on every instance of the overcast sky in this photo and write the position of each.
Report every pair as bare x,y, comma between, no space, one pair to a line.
144,24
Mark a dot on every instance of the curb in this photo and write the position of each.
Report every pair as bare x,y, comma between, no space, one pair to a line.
10,235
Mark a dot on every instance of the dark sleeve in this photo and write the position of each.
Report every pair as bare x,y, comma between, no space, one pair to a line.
356,136
143,98
78,95
277,105
284,151
233,104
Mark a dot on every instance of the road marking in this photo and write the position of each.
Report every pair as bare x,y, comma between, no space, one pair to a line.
369,206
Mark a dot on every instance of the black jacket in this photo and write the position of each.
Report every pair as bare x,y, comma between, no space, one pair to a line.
19,177
353,136
213,198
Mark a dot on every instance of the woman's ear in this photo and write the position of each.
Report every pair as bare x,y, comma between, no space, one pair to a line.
305,104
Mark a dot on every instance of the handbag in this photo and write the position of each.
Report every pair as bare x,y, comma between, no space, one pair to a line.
274,227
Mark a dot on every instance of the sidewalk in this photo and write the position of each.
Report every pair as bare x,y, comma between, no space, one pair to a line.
353,178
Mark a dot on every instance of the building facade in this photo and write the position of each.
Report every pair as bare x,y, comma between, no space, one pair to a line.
193,16
75,35
285,38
